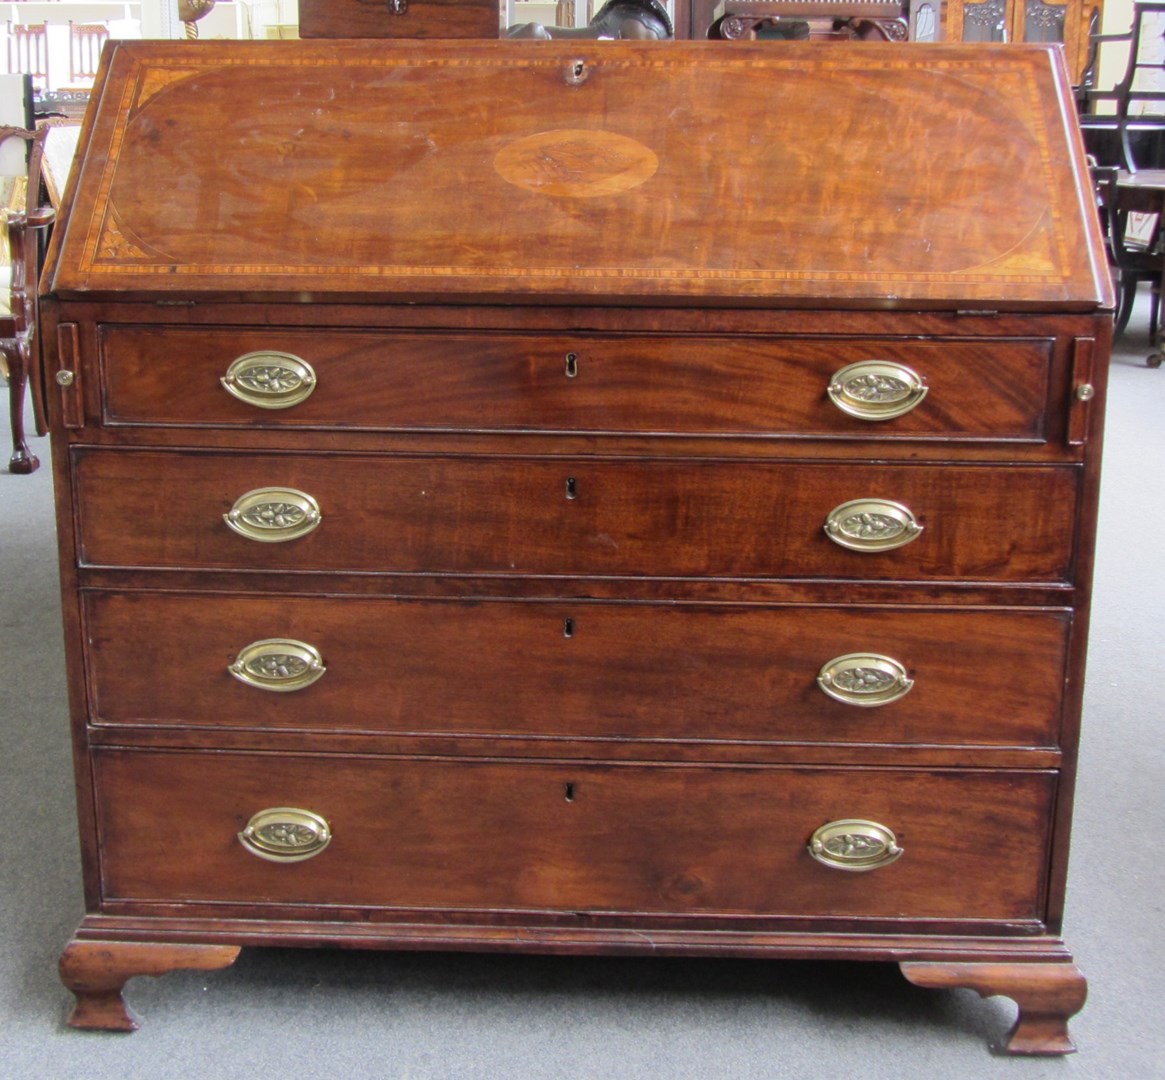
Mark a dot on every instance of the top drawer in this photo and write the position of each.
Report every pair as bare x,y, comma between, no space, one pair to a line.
991,389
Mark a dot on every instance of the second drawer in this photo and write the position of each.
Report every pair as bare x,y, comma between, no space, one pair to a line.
575,516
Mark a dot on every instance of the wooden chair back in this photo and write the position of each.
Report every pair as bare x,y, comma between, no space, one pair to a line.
1139,95
85,43
28,51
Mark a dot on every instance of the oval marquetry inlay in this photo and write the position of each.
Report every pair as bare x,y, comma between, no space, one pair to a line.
577,163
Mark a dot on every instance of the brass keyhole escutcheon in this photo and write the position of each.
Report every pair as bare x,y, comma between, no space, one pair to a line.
576,73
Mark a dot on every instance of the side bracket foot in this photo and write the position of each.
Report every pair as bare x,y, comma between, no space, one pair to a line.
1048,995
97,971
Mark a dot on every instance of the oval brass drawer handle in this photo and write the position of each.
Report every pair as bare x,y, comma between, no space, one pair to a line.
286,834
871,525
279,664
273,515
866,679
854,844
270,380
876,389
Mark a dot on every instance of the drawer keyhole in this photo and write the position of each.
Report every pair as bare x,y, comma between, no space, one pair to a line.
568,791
571,365
568,628
571,488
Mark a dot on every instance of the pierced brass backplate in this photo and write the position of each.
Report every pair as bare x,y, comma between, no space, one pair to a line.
286,834
854,844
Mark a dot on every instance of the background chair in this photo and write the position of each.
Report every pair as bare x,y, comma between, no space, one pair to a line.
85,42
1131,264
1142,84
19,349
28,52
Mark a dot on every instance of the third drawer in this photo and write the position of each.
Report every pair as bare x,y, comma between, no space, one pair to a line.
579,669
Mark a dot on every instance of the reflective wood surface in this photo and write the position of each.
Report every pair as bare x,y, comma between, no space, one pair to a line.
579,498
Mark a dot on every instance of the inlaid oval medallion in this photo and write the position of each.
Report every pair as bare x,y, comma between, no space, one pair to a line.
576,162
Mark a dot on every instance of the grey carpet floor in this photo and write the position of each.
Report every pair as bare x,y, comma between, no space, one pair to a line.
324,1014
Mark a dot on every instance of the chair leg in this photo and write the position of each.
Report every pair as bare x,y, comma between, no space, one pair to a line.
1127,158
1124,308
22,460
1154,358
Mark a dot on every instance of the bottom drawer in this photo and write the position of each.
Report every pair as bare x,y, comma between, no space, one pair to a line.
440,834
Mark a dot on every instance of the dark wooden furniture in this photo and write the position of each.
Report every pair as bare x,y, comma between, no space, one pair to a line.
735,20
1143,190
1071,23
19,349
1134,264
491,519
399,18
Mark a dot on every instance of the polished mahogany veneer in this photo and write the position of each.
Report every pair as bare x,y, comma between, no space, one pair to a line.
588,497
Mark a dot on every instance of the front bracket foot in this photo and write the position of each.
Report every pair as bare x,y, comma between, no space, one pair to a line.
97,971
1048,996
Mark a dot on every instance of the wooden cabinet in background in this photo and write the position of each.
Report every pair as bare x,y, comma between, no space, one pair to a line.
399,18
1070,23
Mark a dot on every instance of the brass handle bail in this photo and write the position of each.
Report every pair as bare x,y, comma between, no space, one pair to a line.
270,380
279,664
864,679
273,515
854,844
286,834
871,525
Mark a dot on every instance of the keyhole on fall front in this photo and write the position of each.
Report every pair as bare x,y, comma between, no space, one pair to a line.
571,488
568,791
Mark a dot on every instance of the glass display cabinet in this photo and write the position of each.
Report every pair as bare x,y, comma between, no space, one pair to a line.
1026,20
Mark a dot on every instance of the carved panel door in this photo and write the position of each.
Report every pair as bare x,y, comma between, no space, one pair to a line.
1026,20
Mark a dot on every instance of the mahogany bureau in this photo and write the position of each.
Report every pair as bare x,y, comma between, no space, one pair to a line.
586,498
